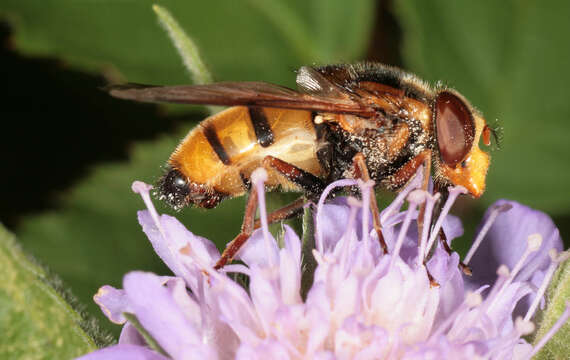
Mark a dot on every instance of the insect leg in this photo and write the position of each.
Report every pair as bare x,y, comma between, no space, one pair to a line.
246,229
283,213
441,235
425,184
362,173
307,181
312,185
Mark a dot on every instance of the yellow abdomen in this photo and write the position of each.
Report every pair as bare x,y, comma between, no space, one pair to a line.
224,149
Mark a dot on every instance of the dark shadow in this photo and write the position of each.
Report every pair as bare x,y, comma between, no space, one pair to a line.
56,124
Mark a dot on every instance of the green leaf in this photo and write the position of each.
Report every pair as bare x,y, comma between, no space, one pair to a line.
557,295
507,57
36,321
240,40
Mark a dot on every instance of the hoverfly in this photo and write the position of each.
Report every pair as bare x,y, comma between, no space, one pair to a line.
367,120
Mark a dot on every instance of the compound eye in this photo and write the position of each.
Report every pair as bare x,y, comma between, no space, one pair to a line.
455,128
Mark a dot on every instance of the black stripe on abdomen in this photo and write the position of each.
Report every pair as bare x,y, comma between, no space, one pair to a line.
261,126
212,137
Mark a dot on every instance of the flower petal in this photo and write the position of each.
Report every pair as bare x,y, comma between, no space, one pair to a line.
292,243
113,302
169,326
506,241
331,222
130,335
452,227
267,350
445,271
123,352
257,251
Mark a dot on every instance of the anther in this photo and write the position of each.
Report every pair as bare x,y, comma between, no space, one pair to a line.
143,189
490,220
473,299
524,327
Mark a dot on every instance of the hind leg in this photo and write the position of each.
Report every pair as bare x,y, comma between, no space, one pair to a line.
307,181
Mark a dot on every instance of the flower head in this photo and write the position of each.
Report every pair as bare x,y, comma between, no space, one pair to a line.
412,303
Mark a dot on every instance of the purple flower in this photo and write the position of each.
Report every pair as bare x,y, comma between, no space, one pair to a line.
361,305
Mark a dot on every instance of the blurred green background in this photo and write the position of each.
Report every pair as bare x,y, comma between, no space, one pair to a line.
70,152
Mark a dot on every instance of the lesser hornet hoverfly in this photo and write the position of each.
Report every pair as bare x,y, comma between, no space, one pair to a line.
367,120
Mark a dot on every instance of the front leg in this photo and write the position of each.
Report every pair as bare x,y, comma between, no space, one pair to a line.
441,235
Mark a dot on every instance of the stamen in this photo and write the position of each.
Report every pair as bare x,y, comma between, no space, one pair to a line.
521,328
365,189
453,194
201,295
503,274
346,238
258,178
353,202
528,270
235,292
472,299
555,259
430,203
320,205
559,323
524,327
415,198
503,271
236,268
490,220
143,190
395,206
533,244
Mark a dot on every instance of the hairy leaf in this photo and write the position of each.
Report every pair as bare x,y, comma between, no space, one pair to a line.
36,321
